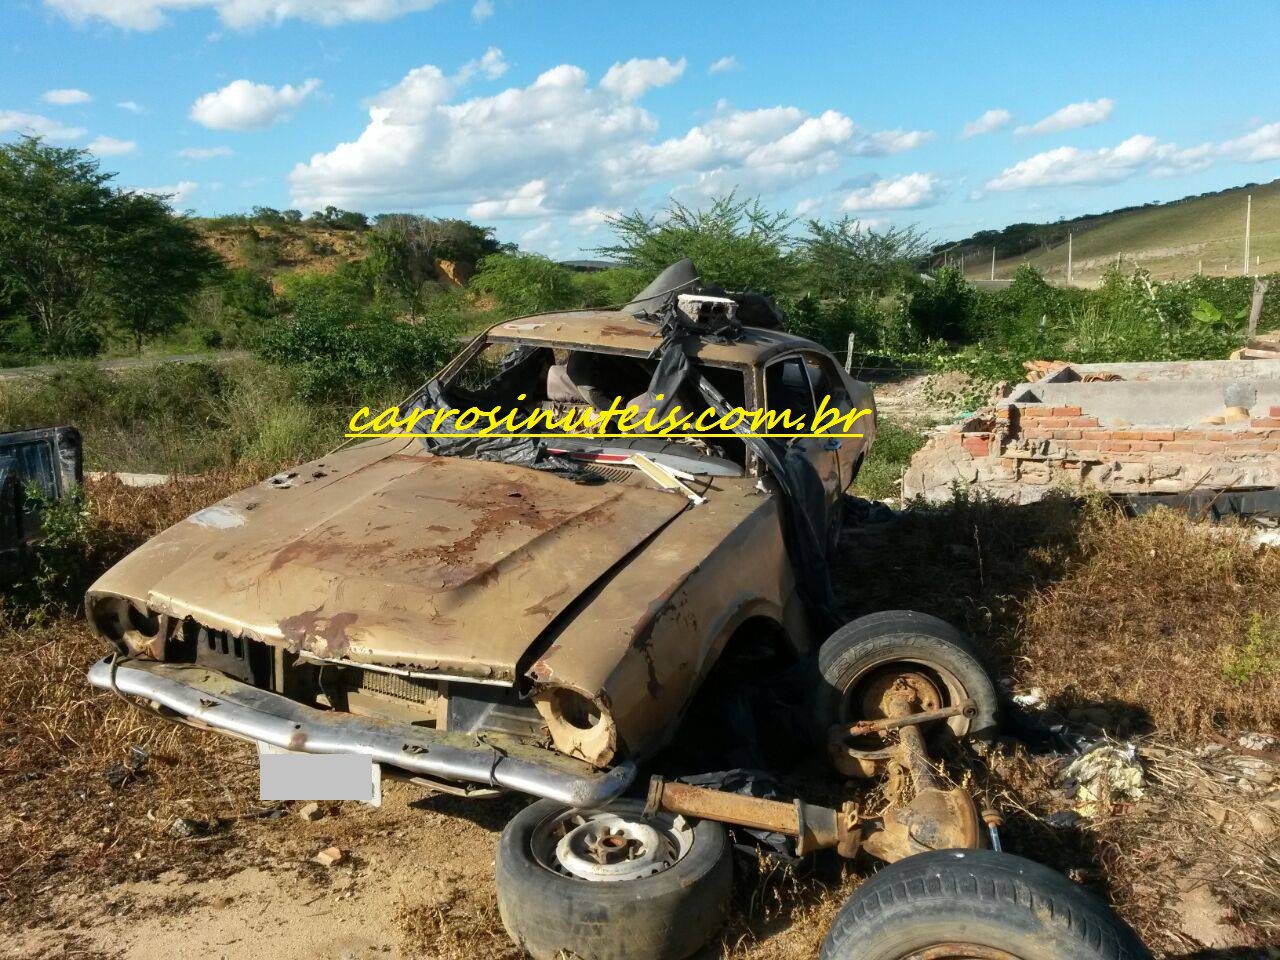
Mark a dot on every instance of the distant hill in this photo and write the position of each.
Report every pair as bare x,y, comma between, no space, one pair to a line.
1172,239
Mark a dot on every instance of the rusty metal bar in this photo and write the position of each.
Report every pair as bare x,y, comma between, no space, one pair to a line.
966,709
814,827
754,812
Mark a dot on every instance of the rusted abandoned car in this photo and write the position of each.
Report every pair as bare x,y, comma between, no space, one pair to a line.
537,615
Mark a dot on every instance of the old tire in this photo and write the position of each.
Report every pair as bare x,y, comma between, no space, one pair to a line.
860,651
977,903
664,916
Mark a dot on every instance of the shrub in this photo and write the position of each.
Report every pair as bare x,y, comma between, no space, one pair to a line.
341,350
609,288
889,458
524,283
737,244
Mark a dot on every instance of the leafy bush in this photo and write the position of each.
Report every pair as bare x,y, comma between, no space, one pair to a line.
524,283
340,350
737,244
609,288
52,575
842,260
889,458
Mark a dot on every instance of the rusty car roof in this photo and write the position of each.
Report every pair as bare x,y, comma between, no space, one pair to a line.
617,331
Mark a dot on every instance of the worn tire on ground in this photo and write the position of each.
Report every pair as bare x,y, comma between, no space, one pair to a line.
892,636
977,898
667,916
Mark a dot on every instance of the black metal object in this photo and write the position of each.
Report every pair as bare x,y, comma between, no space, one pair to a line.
1213,505
49,461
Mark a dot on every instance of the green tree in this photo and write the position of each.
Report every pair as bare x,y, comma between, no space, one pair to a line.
524,283
78,256
404,251
338,219
839,259
341,350
735,243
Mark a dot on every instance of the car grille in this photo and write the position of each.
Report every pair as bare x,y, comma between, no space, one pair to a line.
409,689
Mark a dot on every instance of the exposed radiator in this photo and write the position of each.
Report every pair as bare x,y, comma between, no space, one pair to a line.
409,689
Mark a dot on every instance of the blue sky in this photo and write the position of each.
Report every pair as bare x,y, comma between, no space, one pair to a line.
542,118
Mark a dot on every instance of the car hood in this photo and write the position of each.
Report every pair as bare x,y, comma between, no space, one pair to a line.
400,559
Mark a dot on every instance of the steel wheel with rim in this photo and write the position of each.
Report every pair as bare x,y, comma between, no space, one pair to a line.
612,884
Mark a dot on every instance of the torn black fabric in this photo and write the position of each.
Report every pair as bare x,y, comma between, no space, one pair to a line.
520,451
805,514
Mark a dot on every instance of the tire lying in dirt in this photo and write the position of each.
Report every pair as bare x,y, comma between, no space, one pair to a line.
977,904
863,659
660,894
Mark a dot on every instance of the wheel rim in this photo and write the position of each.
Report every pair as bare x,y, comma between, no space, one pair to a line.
610,846
863,698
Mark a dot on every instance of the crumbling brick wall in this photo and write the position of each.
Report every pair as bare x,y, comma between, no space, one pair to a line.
1019,451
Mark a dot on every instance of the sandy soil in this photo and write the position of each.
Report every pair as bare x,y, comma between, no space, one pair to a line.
416,882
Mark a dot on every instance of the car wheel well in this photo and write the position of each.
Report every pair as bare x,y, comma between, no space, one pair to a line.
758,644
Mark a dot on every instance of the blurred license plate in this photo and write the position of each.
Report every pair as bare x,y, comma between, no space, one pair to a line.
285,775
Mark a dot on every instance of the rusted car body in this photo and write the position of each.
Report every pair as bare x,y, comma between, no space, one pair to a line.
482,624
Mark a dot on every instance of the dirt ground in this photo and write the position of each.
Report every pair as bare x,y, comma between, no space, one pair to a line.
126,837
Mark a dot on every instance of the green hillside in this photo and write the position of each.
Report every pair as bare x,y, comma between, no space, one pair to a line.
1171,240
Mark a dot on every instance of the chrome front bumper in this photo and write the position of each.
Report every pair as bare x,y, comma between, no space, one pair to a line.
209,699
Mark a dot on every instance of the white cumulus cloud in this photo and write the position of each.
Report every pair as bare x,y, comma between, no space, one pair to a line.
105,146
238,14
1065,166
1257,145
989,122
907,192
633,79
205,153
481,10
65,97
491,65
525,201
33,124
562,146
132,106
244,105
724,65
1073,115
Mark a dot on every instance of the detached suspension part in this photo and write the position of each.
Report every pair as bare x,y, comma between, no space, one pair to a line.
935,818
813,827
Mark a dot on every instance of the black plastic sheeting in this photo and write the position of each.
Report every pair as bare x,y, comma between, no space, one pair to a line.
1213,505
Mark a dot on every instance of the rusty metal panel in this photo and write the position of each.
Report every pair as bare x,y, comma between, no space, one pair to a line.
439,563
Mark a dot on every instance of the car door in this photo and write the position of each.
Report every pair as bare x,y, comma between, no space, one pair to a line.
787,387
828,381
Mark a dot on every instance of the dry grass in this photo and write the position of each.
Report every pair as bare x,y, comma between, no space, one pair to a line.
1166,624
1160,615
64,826
1091,607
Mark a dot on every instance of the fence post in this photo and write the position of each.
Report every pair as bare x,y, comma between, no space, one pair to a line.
1255,309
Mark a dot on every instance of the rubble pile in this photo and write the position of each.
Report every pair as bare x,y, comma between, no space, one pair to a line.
1125,428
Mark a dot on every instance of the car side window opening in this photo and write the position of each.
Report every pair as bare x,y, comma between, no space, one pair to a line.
787,387
826,382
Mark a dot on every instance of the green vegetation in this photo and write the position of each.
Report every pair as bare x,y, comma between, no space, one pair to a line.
1258,657
889,458
80,260
524,283
1170,240
342,348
